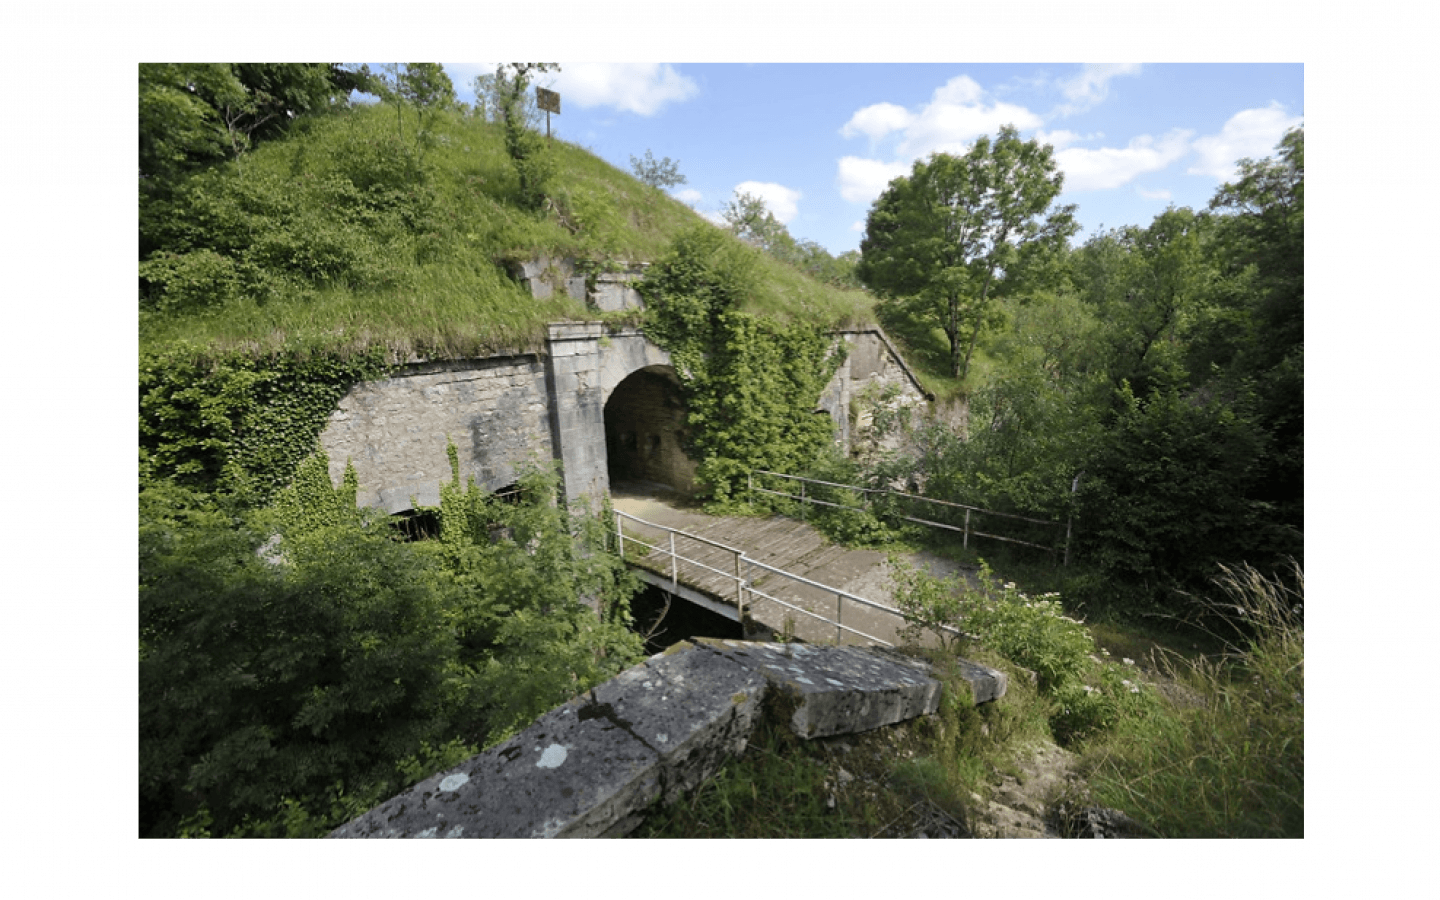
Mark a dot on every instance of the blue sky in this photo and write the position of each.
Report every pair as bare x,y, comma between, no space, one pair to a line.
820,141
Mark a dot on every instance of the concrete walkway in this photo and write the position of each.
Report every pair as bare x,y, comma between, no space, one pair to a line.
786,544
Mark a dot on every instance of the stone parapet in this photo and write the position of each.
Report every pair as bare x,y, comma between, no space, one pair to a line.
594,765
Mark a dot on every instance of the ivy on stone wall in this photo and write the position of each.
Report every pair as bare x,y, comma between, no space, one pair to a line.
239,423
751,384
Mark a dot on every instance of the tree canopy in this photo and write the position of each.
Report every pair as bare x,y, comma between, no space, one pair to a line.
192,114
950,235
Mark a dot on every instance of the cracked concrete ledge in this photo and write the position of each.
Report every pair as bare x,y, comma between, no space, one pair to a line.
590,767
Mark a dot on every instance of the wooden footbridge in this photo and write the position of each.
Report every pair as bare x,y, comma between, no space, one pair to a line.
771,573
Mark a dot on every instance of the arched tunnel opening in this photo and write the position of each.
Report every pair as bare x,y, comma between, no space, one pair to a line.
645,431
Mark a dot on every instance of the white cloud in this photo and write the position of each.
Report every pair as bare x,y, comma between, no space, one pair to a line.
714,216
1092,85
782,202
862,180
877,121
641,88
1110,167
1158,194
1062,138
958,112
1251,133
955,116
858,226
688,196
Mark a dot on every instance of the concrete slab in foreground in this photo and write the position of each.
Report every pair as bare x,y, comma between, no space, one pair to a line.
590,767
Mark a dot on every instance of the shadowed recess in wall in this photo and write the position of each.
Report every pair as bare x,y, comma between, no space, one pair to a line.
645,430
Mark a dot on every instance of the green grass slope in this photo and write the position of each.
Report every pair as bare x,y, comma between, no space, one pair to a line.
356,231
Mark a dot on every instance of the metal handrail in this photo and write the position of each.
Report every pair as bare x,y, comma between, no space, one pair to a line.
966,531
743,585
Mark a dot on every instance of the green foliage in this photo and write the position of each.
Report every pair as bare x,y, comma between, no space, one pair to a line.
747,217
958,228
1034,633
530,577
1228,758
661,173
749,383
191,114
850,521
339,234
1105,695
262,680
530,154
238,423
1167,494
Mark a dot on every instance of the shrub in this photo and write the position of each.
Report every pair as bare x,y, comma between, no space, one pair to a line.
1034,633
262,680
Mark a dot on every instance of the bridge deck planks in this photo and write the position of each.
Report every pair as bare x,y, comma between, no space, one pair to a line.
787,544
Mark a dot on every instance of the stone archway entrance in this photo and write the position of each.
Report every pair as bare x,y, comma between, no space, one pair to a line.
645,430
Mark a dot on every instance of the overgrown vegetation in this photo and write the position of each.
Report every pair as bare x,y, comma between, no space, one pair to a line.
299,662
750,382
1205,747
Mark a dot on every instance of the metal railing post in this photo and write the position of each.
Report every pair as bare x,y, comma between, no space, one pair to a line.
839,617
674,566
802,500
740,588
619,537
967,530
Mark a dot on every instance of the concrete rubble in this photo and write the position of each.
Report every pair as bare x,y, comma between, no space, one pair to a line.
591,767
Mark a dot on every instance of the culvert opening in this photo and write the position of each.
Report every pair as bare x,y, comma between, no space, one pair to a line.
645,431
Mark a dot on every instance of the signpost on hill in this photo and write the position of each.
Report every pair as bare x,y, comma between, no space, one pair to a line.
550,102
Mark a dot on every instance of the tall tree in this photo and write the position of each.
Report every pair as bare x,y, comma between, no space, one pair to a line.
1262,235
950,235
192,114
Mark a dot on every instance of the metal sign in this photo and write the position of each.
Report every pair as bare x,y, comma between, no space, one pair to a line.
547,100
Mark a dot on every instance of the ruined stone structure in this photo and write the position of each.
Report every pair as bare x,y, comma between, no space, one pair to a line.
594,766
604,405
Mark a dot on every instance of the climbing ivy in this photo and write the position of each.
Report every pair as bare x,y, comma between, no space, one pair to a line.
239,423
751,384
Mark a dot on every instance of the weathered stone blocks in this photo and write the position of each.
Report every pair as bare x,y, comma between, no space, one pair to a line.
582,769
839,689
591,767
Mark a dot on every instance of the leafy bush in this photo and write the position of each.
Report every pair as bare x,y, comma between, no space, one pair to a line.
1034,633
263,679
1082,710
1167,496
523,574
